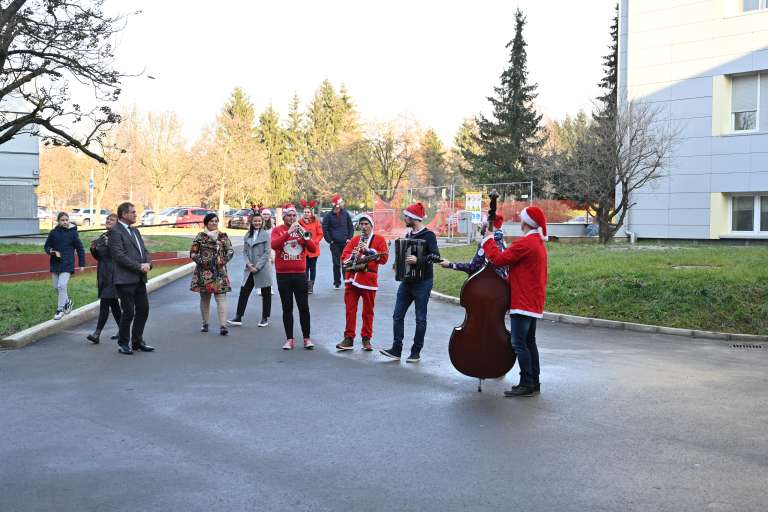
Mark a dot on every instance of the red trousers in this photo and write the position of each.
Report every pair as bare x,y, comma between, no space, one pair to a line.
352,295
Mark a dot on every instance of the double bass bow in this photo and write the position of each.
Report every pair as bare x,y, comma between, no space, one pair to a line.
480,347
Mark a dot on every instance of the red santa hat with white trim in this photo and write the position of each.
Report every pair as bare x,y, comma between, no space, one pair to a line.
288,208
336,200
415,211
534,217
367,216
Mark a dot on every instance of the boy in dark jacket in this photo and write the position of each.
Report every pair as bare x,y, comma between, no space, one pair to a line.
337,231
61,244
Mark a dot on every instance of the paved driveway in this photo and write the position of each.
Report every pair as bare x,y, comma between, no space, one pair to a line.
625,421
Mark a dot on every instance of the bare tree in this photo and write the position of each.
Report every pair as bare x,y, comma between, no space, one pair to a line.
46,48
386,158
608,162
161,152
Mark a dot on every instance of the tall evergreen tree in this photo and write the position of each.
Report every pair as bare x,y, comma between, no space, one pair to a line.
433,155
508,139
274,140
608,101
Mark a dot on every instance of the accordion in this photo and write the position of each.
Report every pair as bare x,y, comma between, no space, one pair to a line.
405,247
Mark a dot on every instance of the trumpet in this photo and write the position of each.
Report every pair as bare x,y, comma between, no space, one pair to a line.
303,233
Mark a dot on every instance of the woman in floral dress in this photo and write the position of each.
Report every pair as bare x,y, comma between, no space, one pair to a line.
212,250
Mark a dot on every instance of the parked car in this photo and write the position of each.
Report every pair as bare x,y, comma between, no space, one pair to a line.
147,217
190,217
166,216
86,217
239,219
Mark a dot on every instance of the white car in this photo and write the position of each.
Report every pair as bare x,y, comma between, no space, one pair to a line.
85,217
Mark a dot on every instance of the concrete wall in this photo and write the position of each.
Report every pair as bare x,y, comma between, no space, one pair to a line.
680,55
19,175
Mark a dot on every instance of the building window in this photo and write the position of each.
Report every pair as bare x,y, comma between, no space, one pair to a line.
745,101
743,213
763,213
749,214
753,5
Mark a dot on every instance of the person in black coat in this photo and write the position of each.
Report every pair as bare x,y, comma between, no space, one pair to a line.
62,243
104,270
337,231
131,265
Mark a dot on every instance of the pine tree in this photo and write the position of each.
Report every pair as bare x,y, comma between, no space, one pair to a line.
433,155
273,139
508,140
609,83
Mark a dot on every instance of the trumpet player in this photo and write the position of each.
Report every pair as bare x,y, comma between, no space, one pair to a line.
361,259
291,244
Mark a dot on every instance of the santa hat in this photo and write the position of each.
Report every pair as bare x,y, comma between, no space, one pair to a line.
498,221
534,217
368,217
288,208
336,200
415,211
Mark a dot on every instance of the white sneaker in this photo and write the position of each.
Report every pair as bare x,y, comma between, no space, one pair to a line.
68,306
59,315
264,322
289,344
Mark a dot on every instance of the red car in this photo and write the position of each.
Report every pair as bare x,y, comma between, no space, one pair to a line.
187,217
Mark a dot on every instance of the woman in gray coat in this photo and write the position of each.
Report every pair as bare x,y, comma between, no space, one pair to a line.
258,271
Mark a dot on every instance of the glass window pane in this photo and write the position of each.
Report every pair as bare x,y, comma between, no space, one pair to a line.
750,5
763,213
745,121
743,214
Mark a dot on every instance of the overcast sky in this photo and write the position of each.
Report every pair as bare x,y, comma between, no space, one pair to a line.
432,61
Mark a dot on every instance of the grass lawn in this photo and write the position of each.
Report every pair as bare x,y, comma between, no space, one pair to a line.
715,288
155,243
27,303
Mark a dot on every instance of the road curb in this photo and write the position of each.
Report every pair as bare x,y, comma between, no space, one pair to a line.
630,326
84,313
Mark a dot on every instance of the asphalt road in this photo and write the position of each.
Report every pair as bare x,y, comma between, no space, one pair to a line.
625,421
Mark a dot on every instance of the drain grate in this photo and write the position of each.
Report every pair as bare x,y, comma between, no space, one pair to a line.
747,346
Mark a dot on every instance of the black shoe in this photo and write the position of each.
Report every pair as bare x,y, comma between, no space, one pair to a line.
143,347
414,357
223,331
93,338
537,387
337,286
392,353
204,328
114,337
125,350
519,391
235,321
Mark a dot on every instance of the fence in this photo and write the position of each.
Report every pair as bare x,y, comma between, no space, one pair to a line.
446,210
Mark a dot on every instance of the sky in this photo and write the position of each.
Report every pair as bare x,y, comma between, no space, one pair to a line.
432,62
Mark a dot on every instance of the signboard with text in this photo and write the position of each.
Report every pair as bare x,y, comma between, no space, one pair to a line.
473,203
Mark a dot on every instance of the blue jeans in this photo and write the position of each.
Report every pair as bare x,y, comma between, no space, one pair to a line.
311,268
407,293
524,342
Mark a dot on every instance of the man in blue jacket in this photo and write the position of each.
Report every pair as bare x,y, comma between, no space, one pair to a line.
337,231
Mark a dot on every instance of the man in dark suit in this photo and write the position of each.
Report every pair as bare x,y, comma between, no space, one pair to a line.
132,263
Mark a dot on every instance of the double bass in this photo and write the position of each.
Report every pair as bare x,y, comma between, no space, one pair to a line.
481,346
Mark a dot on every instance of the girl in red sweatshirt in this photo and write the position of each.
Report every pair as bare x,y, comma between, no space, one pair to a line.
290,270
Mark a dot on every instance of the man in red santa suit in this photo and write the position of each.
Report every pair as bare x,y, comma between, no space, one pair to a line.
527,261
362,282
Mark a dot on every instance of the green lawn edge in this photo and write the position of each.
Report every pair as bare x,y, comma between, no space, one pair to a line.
711,288
24,304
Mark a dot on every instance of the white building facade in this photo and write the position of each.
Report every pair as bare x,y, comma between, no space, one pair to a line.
704,64
19,176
